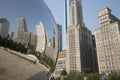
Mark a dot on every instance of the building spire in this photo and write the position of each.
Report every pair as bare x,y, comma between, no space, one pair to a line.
76,17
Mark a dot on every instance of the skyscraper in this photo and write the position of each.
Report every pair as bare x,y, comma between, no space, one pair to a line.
60,36
41,38
95,67
107,38
33,41
26,39
4,27
21,28
76,17
78,41
61,64
11,35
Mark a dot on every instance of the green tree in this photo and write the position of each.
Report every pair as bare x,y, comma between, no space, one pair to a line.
55,78
0,40
63,75
35,53
73,75
40,55
93,76
114,75
5,42
52,78
64,72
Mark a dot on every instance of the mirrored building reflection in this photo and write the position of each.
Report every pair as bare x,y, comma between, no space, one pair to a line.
41,37
33,17
4,27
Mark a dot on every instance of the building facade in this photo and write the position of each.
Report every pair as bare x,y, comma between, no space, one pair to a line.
11,35
22,27
78,42
41,38
107,38
95,68
4,27
60,36
26,39
33,41
61,64
23,36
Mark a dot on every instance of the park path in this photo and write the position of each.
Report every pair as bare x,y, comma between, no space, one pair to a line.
13,67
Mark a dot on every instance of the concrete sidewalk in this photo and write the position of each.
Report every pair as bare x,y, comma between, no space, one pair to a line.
13,67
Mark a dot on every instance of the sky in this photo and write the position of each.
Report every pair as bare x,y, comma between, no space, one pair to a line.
90,12
34,11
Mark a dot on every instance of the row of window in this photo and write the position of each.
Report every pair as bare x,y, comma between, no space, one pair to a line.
103,19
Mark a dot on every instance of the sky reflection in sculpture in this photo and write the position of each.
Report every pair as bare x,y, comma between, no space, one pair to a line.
33,11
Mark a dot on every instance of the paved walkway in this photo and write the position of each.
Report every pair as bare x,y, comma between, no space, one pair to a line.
13,67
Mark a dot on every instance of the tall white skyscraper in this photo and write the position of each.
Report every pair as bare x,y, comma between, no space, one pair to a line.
4,27
41,38
78,41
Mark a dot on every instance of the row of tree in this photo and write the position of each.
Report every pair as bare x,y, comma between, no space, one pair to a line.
44,59
5,42
73,75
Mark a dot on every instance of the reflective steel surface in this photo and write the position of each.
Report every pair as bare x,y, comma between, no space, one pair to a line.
34,12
